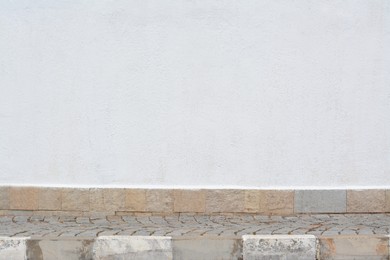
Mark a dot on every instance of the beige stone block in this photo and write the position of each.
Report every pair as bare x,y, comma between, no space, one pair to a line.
159,200
114,199
4,198
366,200
252,201
135,200
189,200
387,209
24,198
50,199
276,202
96,200
225,200
75,199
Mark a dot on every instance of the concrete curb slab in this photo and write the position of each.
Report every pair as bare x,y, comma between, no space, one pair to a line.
289,247
13,248
135,247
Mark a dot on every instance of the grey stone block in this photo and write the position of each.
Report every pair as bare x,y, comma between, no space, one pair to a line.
287,247
207,248
132,247
64,249
320,201
13,248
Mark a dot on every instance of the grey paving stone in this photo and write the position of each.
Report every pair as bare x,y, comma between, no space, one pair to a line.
307,201
206,248
294,247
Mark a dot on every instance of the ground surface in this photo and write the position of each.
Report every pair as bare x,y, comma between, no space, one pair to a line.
193,225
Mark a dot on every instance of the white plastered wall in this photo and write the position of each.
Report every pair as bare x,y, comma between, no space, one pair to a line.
193,93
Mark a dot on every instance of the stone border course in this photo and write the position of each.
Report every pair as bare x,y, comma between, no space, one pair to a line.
122,201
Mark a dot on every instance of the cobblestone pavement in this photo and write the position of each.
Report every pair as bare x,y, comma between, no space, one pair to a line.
194,225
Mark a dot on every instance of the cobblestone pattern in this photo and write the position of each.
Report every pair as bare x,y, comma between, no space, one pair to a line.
193,225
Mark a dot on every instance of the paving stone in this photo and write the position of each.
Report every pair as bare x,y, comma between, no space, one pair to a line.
320,201
279,247
125,247
13,248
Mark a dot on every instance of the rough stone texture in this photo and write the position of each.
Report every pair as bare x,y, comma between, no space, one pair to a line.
124,247
4,197
59,249
279,247
135,200
387,209
159,200
279,202
13,248
207,248
96,200
114,199
75,199
252,201
50,199
354,247
225,201
366,201
189,200
320,201
25,198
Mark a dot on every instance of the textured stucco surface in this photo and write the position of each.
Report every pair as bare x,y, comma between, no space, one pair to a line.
195,93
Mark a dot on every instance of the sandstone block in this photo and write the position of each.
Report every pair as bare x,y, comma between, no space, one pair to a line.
24,198
96,200
50,199
366,201
75,199
159,200
4,198
276,202
189,200
387,209
225,201
354,247
114,199
135,200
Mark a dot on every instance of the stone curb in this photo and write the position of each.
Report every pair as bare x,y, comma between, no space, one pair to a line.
249,247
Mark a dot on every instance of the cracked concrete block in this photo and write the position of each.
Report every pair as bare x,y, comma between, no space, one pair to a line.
132,247
366,201
288,247
320,201
59,249
354,247
13,248
207,248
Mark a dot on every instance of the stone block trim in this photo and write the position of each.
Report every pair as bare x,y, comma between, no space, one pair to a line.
121,201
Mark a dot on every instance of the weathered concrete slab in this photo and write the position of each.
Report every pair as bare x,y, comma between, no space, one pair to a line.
13,248
63,249
320,201
126,247
288,247
207,248
354,247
